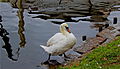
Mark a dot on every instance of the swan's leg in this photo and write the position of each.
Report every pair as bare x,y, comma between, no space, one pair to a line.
49,57
65,56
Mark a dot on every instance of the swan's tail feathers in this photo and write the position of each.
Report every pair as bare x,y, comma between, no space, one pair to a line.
44,47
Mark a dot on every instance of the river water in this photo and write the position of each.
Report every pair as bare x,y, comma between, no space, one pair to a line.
27,34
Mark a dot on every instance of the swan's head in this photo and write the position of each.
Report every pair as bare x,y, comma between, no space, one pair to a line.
64,28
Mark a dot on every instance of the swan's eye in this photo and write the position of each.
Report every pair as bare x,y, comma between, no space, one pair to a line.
67,28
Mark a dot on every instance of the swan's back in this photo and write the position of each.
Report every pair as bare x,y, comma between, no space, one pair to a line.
56,39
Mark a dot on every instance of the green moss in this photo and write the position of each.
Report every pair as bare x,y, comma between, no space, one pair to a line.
103,57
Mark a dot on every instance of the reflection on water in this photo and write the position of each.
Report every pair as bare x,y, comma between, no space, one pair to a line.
20,27
21,24
7,46
5,38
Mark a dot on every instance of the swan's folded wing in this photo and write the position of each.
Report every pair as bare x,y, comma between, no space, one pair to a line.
55,39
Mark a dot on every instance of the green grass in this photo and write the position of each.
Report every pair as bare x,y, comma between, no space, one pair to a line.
103,57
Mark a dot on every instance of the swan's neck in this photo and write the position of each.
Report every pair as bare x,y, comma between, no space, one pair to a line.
63,30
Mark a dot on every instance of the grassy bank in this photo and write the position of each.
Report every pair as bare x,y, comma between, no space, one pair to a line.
103,57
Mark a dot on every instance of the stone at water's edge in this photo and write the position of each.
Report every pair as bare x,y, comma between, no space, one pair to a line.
104,36
89,44
109,33
106,33
110,27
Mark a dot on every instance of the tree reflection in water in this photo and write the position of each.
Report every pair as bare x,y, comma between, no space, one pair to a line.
6,46
21,26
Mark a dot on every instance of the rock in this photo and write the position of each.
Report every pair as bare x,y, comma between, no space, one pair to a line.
117,26
65,1
103,12
72,15
30,1
118,34
33,8
109,33
80,8
97,25
106,33
115,32
111,28
119,30
99,18
90,44
52,62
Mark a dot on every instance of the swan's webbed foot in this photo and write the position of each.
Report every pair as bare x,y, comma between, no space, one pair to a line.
46,62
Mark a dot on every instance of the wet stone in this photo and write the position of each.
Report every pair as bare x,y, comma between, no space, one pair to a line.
89,44
72,15
117,26
52,62
79,8
115,32
118,34
119,30
106,33
110,28
99,18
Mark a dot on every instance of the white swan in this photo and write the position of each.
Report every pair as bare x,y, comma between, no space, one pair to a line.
60,42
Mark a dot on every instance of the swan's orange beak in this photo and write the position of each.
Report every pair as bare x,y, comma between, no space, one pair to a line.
68,30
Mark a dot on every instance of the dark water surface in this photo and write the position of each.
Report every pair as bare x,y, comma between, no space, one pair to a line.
27,34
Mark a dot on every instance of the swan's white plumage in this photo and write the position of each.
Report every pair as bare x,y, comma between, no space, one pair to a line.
55,39
60,42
